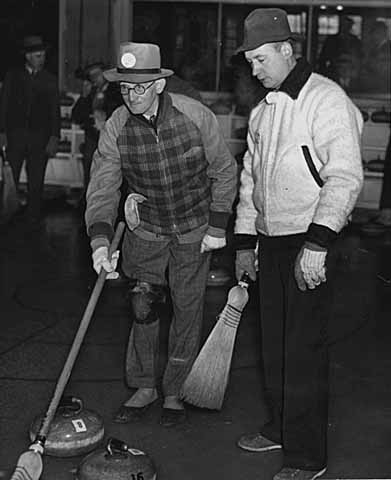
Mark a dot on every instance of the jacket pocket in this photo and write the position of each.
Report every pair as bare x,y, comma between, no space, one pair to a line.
311,166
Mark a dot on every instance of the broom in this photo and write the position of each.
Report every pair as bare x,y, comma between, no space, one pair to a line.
207,381
29,465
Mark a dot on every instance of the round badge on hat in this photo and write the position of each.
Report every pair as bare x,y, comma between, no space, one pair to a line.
128,60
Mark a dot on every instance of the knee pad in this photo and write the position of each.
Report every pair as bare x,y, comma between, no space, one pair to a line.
144,297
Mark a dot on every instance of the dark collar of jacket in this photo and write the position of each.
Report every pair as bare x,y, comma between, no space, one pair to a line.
296,79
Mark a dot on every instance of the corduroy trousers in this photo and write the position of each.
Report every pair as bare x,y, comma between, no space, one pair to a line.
185,270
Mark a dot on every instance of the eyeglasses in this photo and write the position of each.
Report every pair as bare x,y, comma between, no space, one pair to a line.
139,88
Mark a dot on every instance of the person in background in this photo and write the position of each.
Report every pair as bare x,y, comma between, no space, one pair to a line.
302,175
376,68
30,121
341,54
180,180
381,223
97,101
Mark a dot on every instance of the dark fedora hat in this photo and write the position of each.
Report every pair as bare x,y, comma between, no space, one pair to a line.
137,63
33,43
266,25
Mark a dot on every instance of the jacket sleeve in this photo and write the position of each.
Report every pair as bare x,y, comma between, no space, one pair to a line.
222,170
103,193
5,93
246,212
336,132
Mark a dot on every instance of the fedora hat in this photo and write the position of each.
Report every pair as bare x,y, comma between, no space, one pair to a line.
266,25
137,63
33,43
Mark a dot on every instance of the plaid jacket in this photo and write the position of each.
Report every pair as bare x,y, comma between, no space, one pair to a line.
183,168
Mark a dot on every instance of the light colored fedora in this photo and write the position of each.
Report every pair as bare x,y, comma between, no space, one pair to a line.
137,63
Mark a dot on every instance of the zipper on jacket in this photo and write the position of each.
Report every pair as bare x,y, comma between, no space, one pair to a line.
311,166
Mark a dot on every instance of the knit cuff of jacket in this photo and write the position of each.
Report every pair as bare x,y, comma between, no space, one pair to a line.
244,241
100,229
218,219
98,242
320,235
216,232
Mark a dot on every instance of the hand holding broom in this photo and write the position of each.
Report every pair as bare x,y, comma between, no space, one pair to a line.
29,466
207,381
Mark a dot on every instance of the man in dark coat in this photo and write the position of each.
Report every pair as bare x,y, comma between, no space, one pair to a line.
30,120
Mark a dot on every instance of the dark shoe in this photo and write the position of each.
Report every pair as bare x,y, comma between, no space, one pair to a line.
298,474
171,417
126,414
255,442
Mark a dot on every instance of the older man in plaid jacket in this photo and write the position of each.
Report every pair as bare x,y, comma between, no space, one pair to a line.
181,183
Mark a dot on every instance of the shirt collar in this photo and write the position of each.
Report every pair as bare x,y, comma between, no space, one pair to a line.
296,79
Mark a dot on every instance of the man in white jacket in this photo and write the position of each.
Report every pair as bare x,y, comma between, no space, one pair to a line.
302,175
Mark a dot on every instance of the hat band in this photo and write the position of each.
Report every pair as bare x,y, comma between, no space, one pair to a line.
139,70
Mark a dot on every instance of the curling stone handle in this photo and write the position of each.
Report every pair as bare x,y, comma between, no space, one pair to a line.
116,446
70,405
84,323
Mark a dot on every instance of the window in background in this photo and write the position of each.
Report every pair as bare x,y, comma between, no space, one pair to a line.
186,34
353,48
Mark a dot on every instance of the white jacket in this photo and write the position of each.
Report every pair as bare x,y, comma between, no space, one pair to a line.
279,195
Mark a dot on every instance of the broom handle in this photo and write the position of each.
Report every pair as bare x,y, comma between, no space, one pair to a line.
66,371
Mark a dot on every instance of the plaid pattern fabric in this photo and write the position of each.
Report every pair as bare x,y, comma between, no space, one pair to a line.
168,166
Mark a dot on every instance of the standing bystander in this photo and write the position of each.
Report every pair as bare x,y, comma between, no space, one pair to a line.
30,120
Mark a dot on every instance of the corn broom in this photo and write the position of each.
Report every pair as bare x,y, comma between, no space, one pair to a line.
207,381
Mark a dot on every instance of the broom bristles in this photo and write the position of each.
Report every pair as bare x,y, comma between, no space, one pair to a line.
207,381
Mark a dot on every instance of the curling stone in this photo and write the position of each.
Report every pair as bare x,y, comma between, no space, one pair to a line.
116,462
73,430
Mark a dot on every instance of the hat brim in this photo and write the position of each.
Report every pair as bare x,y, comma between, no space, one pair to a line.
245,47
113,75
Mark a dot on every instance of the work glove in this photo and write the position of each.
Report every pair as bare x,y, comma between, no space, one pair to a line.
310,267
52,147
131,209
245,262
210,243
100,258
3,140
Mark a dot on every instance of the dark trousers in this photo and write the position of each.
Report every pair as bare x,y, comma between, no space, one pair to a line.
24,145
295,355
186,270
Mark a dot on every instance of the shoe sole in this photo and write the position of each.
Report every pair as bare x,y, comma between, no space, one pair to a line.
263,449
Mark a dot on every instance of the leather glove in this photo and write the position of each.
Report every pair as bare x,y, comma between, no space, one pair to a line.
100,258
310,268
245,262
131,209
52,146
3,140
210,243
